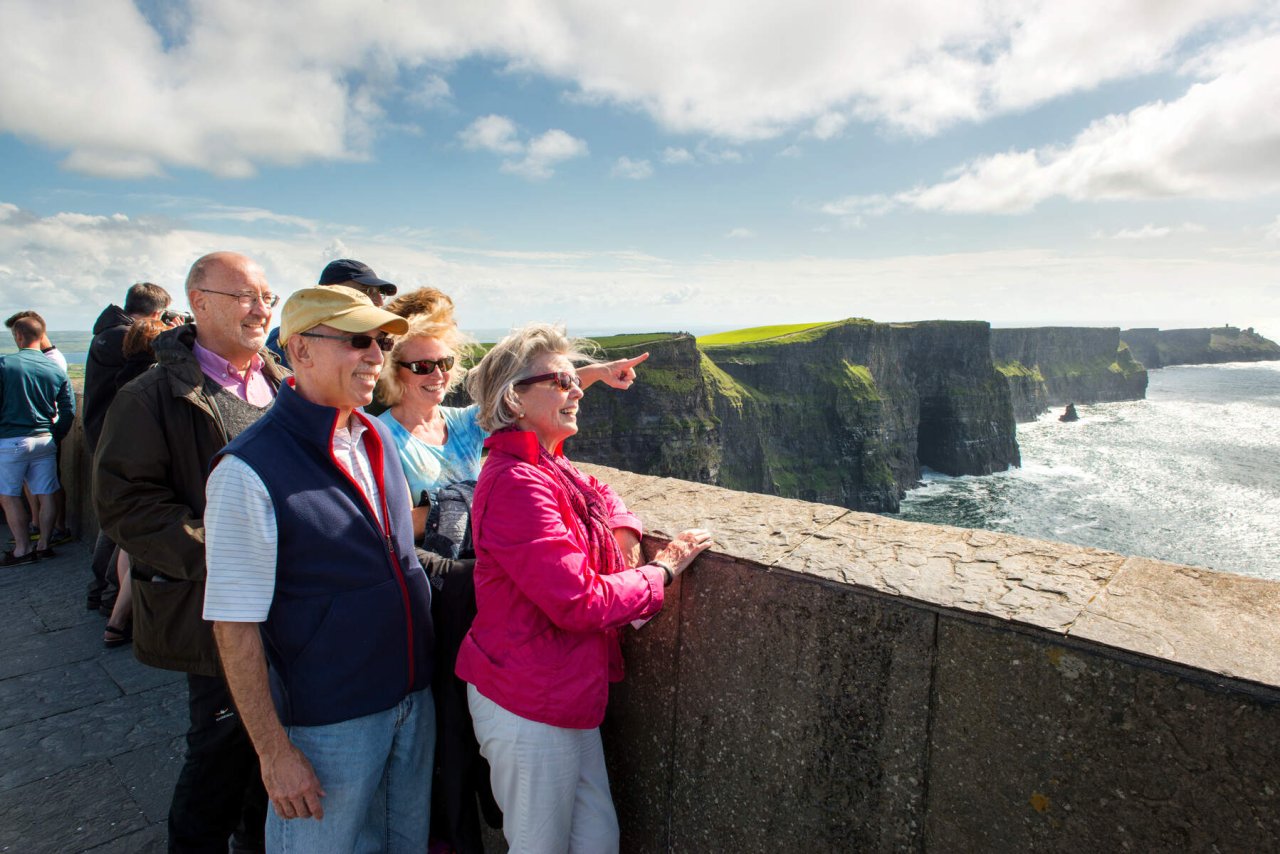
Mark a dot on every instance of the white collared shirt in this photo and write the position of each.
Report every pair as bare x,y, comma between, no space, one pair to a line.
241,538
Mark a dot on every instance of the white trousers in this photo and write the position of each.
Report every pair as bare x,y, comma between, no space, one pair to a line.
550,781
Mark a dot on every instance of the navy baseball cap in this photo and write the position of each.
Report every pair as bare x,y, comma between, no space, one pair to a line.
345,270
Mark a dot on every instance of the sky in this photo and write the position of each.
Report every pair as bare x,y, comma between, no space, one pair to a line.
660,165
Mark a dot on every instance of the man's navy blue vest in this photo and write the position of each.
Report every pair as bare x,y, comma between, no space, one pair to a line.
349,631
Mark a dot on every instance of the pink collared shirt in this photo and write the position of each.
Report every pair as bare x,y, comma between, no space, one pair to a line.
251,386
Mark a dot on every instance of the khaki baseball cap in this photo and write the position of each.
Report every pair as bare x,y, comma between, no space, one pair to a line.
343,308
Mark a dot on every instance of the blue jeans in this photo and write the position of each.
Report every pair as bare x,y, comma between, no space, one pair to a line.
376,775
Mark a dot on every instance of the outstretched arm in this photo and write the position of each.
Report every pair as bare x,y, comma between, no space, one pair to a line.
620,373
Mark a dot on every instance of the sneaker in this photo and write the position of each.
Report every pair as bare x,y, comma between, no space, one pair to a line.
60,536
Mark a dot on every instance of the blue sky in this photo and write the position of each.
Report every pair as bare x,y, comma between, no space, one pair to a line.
660,165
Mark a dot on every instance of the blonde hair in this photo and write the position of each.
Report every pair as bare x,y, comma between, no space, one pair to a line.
428,301
491,383
390,390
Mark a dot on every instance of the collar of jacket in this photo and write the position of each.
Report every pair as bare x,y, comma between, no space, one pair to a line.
313,423
173,351
522,444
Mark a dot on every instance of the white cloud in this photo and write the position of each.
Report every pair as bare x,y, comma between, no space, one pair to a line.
675,156
544,152
69,265
498,134
1273,230
829,125
228,87
1155,232
1219,140
636,170
430,92
492,133
740,233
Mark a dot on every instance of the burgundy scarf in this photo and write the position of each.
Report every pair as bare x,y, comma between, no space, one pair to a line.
587,502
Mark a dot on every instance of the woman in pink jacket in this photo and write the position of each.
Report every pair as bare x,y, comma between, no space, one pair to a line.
556,577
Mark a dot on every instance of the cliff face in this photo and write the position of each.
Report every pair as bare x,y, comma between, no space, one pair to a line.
844,413
1158,348
1057,365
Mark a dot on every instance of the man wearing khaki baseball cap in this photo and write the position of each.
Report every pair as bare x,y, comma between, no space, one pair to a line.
319,606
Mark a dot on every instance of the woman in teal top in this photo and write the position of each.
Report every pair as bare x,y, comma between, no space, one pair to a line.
438,444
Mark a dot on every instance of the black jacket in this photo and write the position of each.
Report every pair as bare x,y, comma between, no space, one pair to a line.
148,486
106,357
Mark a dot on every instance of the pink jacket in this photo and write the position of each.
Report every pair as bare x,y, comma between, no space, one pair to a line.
544,643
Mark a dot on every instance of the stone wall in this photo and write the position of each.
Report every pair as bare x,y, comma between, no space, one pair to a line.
829,680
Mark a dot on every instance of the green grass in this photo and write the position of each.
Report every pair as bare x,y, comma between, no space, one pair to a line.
1017,369
857,379
633,339
721,382
756,333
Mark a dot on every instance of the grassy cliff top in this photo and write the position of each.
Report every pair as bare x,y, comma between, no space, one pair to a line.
758,334
634,339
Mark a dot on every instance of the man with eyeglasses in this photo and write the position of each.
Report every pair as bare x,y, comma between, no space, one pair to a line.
211,382
349,274
320,607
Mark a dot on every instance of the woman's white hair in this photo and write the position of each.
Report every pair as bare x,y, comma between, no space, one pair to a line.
491,383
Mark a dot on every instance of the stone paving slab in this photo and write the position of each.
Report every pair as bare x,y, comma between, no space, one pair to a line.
90,740
33,750
132,676
141,769
44,693
152,840
40,816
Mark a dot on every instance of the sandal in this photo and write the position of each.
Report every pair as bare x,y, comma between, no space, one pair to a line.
12,560
112,636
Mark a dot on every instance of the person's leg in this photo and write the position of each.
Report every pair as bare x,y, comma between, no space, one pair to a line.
33,504
42,478
103,566
534,769
207,799
48,512
595,822
409,776
350,760
117,631
16,517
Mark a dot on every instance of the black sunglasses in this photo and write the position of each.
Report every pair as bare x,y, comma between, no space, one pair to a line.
359,342
424,367
563,379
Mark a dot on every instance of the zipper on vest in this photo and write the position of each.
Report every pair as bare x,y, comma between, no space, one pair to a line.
385,529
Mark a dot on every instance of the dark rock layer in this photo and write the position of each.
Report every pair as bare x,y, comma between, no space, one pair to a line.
1056,365
1158,348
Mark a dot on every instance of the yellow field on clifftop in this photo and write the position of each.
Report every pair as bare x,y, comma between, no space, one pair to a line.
756,333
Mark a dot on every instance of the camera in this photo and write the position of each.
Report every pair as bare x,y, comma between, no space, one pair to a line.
172,317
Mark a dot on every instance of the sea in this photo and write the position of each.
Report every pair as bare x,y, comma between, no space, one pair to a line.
1190,475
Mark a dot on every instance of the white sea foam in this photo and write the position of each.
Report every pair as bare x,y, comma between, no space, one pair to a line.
1190,475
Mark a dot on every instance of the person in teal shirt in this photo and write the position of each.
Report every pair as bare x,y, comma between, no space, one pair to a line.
438,444
36,411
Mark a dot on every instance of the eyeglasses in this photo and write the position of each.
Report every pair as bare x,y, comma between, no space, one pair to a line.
358,342
426,367
247,298
564,380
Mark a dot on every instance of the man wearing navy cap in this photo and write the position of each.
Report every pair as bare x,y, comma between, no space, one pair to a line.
349,274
